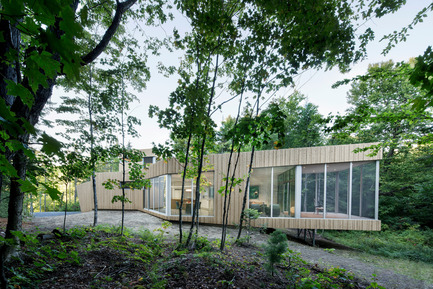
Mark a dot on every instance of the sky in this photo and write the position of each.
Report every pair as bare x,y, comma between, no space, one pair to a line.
316,85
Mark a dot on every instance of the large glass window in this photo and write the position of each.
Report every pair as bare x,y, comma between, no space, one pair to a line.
283,192
146,198
363,189
342,200
260,191
337,190
151,194
176,195
162,194
272,191
206,205
312,194
156,195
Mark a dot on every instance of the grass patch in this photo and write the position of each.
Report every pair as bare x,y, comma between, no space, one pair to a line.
411,244
416,270
408,252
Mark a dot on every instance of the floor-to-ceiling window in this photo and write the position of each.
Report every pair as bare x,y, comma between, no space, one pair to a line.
206,203
260,191
363,189
151,194
312,194
162,194
339,191
155,196
176,195
272,191
283,192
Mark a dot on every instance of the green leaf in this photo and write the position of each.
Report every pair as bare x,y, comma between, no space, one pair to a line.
28,187
20,91
45,61
52,192
49,144
84,14
14,145
12,7
6,168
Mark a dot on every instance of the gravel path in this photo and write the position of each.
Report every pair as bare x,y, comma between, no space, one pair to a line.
338,258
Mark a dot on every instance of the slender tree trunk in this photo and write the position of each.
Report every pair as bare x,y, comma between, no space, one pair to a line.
66,209
92,154
31,204
244,200
188,145
123,161
229,193
195,212
226,207
75,190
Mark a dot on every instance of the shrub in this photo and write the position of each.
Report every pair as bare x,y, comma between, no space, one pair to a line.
274,250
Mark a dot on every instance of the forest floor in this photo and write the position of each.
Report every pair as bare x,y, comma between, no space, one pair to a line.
322,257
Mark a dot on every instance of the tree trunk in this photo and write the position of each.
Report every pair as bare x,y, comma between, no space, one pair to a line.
227,206
195,212
229,193
95,201
75,190
188,145
15,211
66,209
123,166
244,200
92,154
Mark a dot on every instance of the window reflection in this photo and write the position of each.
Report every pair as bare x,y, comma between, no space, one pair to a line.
272,191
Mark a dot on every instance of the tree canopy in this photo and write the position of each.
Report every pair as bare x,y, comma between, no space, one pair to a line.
248,49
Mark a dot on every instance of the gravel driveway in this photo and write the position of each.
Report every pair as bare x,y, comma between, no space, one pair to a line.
136,221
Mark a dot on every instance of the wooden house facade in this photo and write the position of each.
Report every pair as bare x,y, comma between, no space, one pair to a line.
328,187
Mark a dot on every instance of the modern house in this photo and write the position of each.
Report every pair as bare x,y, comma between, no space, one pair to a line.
328,187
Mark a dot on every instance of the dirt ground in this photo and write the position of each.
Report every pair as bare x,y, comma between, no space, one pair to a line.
338,258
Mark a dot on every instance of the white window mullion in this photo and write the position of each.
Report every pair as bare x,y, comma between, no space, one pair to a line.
168,196
298,191
324,193
153,194
272,192
376,193
350,190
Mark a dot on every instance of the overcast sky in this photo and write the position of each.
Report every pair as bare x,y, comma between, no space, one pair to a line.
316,85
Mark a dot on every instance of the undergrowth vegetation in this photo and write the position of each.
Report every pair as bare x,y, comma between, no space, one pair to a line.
410,244
100,258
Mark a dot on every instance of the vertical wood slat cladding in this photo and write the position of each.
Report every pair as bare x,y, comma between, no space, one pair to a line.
262,159
85,194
